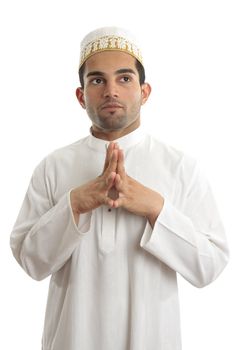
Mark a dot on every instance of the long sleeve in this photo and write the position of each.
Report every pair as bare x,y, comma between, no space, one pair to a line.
113,276
45,234
188,235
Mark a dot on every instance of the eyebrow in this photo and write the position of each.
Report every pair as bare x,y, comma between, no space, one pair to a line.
125,70
119,71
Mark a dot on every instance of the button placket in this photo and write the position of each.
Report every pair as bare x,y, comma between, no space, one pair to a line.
108,229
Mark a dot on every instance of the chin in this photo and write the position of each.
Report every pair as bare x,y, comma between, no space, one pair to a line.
111,124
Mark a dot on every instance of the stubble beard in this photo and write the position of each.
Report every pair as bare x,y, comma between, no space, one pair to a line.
113,120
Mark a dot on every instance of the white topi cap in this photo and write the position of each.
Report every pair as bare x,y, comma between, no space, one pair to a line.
109,39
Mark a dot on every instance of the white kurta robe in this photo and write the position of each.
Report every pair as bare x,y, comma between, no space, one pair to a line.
114,283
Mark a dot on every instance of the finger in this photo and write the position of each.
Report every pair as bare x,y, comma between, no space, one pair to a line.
109,202
112,166
109,151
120,164
118,182
119,202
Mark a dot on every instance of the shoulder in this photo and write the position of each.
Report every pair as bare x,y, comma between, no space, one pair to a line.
179,168
62,157
67,150
171,157
184,168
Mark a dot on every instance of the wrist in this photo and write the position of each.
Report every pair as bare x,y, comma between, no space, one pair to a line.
74,205
156,210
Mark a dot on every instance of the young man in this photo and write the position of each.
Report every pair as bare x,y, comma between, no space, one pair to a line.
115,216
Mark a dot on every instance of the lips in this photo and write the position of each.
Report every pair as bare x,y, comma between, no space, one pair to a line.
111,106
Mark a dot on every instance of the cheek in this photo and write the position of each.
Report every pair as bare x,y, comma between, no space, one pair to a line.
89,98
92,94
136,97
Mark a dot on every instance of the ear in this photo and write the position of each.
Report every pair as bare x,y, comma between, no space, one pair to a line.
145,90
80,97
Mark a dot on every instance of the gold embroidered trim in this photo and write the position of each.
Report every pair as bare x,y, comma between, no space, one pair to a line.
110,43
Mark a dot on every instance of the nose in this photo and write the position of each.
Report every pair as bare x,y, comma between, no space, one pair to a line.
111,89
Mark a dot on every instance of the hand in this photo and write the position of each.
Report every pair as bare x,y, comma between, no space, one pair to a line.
115,189
135,197
98,191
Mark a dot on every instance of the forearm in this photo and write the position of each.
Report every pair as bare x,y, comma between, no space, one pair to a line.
198,255
42,245
156,204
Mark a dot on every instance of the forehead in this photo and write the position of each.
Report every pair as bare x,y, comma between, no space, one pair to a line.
110,61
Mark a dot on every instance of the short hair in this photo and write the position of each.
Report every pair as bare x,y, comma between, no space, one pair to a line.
139,67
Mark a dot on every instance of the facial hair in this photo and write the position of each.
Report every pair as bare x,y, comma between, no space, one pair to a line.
113,119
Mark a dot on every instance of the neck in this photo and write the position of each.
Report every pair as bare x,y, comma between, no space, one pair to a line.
111,135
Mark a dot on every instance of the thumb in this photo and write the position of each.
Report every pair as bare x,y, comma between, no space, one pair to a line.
110,180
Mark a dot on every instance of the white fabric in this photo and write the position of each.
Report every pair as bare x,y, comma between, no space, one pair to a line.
114,284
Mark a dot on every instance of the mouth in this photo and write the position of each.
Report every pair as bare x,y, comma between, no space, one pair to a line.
111,106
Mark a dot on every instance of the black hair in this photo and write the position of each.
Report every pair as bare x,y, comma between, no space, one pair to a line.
139,66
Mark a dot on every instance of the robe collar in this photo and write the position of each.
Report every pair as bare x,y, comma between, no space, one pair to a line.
124,142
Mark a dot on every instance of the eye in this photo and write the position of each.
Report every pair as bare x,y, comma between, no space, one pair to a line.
97,81
125,79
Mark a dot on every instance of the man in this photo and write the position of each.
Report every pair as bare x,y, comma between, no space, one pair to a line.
115,216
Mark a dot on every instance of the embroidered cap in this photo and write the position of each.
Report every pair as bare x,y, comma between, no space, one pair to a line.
109,39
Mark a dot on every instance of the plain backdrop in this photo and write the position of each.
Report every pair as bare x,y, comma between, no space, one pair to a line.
188,54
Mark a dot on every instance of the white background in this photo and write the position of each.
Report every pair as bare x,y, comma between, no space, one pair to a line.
188,55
